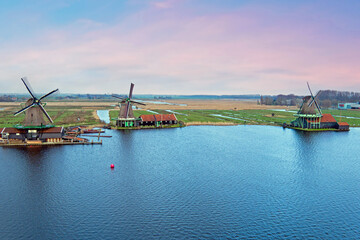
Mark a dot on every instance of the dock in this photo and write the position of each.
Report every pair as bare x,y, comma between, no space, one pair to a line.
24,144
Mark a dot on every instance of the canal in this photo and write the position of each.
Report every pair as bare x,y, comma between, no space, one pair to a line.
210,182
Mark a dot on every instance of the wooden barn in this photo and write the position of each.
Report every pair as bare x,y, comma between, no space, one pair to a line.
45,135
158,120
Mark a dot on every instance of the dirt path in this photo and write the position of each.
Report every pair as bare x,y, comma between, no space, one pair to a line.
95,115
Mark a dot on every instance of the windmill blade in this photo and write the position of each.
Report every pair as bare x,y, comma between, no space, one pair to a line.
44,111
302,104
132,101
28,87
131,90
24,109
317,106
314,98
46,95
115,96
310,89
127,109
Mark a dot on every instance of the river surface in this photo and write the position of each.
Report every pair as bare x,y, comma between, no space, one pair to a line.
205,182
103,115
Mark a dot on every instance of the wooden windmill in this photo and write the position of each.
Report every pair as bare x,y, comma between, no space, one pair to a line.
34,109
36,128
126,116
310,105
309,114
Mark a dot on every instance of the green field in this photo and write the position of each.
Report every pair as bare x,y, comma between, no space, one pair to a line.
253,117
65,116
61,117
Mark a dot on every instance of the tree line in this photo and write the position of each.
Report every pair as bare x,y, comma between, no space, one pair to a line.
326,98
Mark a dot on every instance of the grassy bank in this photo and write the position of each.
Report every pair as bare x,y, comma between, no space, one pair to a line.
71,116
251,116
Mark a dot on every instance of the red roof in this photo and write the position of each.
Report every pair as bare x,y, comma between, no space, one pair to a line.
343,124
1,129
326,117
53,130
158,117
11,130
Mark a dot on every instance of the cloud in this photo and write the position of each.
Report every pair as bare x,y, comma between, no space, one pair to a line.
165,4
249,49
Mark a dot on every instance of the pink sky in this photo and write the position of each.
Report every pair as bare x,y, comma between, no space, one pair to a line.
169,48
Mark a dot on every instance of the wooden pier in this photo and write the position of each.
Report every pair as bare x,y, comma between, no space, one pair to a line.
24,144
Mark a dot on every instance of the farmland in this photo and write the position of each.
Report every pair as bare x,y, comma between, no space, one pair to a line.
194,112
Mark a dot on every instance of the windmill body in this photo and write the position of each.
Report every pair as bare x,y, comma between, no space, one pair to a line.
126,116
306,107
34,109
38,125
309,115
124,112
34,116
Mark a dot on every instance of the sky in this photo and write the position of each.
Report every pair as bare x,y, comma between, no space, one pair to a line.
180,46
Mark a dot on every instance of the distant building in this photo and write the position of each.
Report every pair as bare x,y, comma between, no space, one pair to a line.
345,106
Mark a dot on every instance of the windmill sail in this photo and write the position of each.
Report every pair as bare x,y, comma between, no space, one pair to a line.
126,103
310,105
34,108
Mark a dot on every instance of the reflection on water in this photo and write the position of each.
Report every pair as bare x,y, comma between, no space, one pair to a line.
196,182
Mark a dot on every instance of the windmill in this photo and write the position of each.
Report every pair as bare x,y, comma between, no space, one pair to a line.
309,115
310,105
34,108
126,115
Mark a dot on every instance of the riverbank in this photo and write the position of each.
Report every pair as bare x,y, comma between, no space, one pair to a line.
211,124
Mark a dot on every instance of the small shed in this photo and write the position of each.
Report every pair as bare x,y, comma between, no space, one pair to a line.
344,126
328,121
13,133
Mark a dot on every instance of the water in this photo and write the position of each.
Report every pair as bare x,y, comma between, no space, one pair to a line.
104,115
346,117
206,182
222,116
152,112
171,111
2,109
283,110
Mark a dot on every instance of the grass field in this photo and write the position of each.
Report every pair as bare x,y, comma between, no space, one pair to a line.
61,117
250,116
84,113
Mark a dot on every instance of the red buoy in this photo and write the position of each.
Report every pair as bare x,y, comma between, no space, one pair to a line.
112,165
